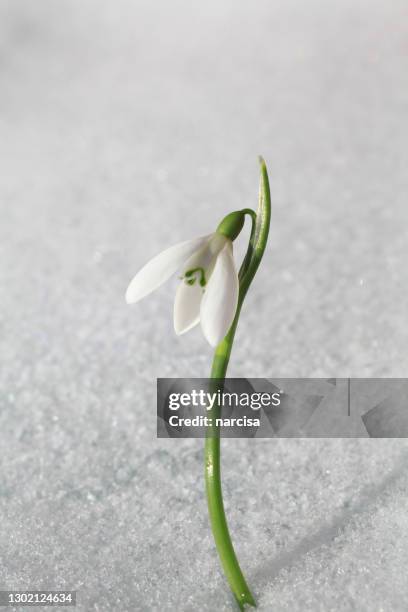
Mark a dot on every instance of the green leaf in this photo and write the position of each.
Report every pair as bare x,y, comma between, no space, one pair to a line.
259,233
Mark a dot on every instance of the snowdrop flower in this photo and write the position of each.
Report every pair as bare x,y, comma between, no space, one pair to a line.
211,292
209,287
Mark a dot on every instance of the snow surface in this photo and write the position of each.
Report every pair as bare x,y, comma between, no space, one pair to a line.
128,126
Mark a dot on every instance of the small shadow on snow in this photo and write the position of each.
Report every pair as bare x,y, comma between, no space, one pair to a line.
267,572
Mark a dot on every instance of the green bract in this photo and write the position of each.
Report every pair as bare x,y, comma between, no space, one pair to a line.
232,224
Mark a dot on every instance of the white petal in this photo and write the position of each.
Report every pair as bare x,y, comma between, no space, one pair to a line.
161,267
220,300
187,307
188,297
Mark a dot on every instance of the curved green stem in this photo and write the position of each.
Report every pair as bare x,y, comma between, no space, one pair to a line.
256,248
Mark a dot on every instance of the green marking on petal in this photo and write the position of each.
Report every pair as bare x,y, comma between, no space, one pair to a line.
191,276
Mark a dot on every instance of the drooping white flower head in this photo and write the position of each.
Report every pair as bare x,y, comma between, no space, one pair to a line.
209,287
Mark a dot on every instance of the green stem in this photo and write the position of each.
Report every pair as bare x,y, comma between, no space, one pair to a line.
216,510
256,247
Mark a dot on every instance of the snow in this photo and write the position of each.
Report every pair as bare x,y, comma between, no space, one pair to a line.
127,127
